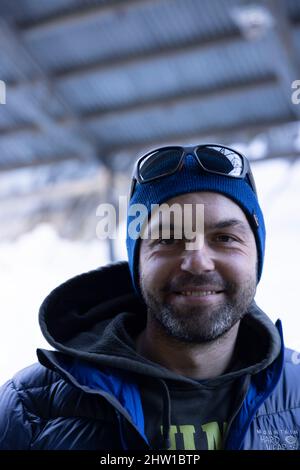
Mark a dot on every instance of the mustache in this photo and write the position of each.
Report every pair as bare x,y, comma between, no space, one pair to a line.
198,281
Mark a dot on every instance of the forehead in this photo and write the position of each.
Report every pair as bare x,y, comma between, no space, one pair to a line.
215,202
216,206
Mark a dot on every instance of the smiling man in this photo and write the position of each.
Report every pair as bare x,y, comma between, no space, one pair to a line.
197,296
168,351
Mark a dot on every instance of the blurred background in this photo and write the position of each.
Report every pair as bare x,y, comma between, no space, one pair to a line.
90,85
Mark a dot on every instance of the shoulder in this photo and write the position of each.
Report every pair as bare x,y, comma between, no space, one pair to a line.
17,397
286,395
43,394
291,369
40,409
33,377
31,385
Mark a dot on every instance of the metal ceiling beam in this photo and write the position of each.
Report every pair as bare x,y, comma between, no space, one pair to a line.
190,96
239,133
167,101
145,57
77,18
12,45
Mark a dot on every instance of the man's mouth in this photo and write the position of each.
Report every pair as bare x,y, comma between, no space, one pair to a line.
198,293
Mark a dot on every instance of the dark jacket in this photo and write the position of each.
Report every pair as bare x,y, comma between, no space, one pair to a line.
85,395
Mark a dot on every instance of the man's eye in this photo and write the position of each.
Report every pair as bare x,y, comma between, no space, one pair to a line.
167,241
226,238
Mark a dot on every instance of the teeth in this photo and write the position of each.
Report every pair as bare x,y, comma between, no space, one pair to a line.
198,293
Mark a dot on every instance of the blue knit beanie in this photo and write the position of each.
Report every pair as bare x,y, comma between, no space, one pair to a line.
190,178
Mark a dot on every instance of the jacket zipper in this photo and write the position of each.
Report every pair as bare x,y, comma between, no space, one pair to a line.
243,393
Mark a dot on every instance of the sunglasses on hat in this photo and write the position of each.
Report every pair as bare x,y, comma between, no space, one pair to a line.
211,158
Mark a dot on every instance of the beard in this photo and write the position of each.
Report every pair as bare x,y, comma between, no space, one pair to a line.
200,324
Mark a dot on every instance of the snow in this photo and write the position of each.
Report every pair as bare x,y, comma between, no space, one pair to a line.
39,261
278,290
29,269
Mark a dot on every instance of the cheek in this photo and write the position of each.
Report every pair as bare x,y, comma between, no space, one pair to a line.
238,266
155,271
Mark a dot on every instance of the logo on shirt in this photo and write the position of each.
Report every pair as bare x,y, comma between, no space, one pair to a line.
187,437
281,439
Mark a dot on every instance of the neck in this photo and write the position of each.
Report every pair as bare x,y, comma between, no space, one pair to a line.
198,361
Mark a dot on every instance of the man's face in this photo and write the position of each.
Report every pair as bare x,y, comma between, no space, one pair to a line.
197,295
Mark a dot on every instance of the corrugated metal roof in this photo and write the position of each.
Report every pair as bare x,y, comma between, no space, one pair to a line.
219,112
141,27
199,69
33,11
84,75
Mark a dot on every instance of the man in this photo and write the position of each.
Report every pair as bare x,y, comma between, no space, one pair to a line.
169,350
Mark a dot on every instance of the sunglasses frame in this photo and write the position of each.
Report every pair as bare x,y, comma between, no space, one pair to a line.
188,150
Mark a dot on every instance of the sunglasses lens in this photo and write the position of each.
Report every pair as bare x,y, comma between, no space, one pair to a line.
220,160
212,158
159,163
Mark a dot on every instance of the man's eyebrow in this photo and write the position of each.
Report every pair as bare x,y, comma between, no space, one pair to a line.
227,223
219,225
170,226
222,224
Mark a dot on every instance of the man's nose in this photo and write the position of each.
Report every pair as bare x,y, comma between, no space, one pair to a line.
198,260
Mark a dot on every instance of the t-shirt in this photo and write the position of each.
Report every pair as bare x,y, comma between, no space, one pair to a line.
199,414
196,414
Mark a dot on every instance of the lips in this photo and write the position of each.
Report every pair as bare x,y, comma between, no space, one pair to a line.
195,296
197,290
198,293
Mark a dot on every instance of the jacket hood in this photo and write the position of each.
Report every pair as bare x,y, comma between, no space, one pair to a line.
94,319
96,316
84,316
